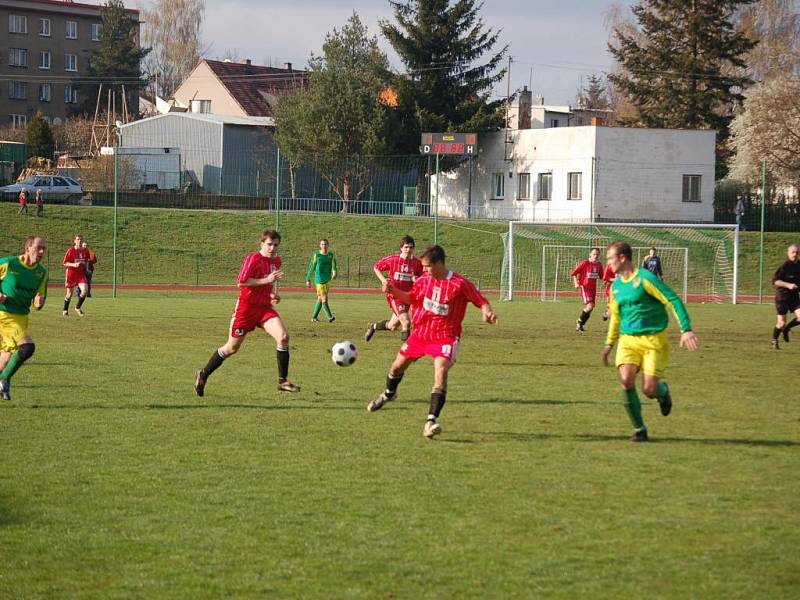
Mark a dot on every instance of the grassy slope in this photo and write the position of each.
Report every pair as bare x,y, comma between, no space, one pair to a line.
116,481
179,246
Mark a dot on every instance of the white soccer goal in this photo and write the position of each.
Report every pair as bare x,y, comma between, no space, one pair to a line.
700,261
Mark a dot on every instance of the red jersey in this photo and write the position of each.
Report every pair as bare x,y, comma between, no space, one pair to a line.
439,305
257,266
588,272
402,271
608,275
76,255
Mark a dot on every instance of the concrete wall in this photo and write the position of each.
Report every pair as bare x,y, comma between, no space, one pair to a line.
640,174
626,174
203,84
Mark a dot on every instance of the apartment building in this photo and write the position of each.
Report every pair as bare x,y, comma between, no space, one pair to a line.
45,47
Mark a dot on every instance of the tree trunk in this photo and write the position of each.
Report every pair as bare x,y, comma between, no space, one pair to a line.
346,184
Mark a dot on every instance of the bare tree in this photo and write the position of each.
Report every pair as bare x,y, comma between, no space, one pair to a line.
172,30
768,128
775,25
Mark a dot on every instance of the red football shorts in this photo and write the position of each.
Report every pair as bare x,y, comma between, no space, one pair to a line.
415,348
247,317
397,307
608,292
73,279
588,293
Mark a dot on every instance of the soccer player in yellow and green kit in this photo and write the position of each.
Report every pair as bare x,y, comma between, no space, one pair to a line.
639,319
322,267
23,281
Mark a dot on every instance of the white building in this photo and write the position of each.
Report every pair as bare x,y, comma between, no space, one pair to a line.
584,173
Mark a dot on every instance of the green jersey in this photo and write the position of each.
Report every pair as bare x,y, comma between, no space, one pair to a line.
20,284
638,306
322,266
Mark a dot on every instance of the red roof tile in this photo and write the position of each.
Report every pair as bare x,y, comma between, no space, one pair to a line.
251,85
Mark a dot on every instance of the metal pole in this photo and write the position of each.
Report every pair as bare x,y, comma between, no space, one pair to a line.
436,210
510,260
469,192
761,244
114,237
736,265
278,194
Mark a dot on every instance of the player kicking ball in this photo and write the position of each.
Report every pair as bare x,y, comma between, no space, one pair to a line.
584,278
402,270
254,308
639,319
438,301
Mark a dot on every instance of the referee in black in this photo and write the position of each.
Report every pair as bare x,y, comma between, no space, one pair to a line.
787,295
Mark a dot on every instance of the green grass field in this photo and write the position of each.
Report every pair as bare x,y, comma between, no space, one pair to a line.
117,481
205,247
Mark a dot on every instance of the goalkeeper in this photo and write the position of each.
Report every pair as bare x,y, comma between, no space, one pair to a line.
322,269
639,319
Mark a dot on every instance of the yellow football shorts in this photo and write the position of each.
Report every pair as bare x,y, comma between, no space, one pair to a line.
323,288
648,352
12,329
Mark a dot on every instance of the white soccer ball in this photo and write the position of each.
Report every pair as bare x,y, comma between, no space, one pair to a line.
344,353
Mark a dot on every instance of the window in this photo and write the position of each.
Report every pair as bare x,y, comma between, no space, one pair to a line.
17,24
19,121
545,186
59,182
44,60
498,186
95,32
45,92
524,186
691,188
72,30
553,122
574,187
70,94
17,57
17,90
44,27
70,62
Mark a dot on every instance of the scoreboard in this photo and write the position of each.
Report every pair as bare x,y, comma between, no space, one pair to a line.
458,144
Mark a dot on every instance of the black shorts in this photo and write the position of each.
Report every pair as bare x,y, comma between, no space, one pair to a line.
786,305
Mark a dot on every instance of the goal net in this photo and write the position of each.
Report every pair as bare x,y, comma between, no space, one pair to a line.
698,261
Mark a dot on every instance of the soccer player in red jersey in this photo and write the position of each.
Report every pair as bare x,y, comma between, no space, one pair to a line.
438,300
403,269
585,277
254,308
608,277
75,262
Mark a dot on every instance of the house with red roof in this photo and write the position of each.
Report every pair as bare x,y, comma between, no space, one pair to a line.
237,88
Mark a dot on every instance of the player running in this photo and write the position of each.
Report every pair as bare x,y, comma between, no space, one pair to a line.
402,270
257,277
608,278
787,295
438,300
323,267
23,281
584,277
639,319
75,262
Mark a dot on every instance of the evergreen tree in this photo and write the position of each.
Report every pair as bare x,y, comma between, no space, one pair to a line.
683,71
593,95
39,138
338,124
116,63
449,77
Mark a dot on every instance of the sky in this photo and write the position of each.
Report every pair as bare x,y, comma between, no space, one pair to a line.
555,45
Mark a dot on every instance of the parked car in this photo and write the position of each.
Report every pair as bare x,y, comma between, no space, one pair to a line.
54,187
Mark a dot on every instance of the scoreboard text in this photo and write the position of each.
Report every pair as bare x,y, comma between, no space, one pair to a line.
458,144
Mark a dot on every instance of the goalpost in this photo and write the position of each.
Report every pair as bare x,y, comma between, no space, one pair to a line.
700,261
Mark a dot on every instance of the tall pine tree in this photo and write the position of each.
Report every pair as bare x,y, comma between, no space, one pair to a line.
116,63
451,70
684,71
